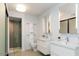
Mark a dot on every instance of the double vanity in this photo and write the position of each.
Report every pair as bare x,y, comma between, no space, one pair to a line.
63,24
67,44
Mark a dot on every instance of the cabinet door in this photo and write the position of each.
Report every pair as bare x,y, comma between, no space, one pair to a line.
63,27
72,26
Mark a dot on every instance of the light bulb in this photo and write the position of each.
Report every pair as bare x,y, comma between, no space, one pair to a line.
20,7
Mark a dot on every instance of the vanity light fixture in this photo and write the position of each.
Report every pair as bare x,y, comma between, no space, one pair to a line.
21,7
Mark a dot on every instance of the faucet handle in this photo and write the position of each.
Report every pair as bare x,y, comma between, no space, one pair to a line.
59,37
67,39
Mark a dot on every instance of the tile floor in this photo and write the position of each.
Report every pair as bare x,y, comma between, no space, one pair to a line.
18,52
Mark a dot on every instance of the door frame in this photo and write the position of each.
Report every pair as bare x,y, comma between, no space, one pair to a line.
9,30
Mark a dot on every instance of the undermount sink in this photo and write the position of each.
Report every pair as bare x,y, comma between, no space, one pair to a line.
59,43
72,45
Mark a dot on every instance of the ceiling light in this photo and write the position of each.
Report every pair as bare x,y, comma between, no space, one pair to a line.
20,8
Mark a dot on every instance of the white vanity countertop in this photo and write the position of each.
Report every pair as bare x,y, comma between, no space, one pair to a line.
63,44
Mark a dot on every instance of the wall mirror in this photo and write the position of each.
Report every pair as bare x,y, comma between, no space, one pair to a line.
67,19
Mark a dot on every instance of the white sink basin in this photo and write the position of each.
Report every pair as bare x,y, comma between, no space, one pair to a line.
72,45
59,43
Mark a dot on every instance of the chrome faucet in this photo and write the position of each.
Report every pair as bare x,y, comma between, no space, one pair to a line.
67,40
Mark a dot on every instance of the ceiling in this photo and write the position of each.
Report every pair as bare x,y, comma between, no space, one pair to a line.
68,9
33,8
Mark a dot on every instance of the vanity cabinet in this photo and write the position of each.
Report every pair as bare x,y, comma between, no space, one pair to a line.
43,46
57,50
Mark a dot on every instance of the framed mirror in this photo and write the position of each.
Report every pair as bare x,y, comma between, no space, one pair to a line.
63,26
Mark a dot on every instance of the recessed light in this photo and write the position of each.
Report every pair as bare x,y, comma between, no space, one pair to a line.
21,7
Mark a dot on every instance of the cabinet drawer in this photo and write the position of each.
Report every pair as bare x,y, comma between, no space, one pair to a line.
61,51
43,50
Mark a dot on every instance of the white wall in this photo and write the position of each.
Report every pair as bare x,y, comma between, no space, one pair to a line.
67,11
2,29
77,25
26,19
53,16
